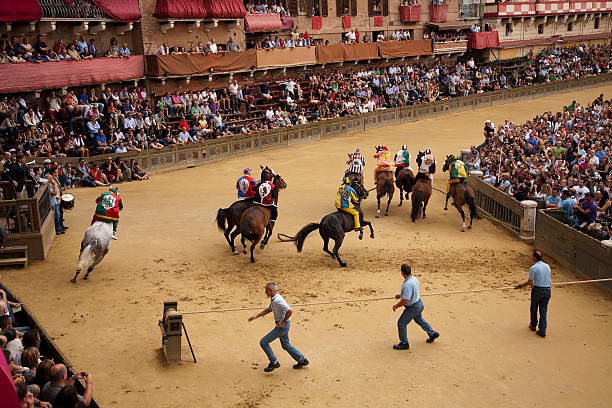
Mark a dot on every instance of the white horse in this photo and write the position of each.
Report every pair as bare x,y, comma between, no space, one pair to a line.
94,246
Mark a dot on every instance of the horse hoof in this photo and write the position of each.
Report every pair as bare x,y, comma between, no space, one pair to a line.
343,264
400,204
252,260
85,277
413,219
469,227
372,236
377,216
462,229
445,209
262,246
386,214
73,280
236,253
244,252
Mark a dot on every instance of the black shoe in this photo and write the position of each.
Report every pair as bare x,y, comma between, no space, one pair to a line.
301,364
541,334
433,337
64,227
401,346
271,367
532,328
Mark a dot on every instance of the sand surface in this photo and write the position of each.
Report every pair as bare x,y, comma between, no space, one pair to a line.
169,248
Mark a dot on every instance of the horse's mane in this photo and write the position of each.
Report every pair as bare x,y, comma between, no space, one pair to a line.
421,176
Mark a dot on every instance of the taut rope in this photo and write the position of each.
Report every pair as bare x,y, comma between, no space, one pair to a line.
331,302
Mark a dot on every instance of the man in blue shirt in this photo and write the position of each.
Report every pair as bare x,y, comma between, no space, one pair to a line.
553,201
540,281
567,205
413,309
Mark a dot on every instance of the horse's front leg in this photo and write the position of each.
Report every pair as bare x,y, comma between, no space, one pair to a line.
388,204
401,196
267,235
97,260
253,245
446,202
243,242
378,210
73,280
233,239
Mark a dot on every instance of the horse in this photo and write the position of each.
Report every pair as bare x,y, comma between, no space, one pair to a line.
462,194
384,185
95,244
229,218
404,181
420,195
353,176
255,221
334,226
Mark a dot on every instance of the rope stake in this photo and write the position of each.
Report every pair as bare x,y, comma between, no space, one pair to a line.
331,302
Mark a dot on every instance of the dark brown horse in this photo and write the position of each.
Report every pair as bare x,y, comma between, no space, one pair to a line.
404,181
421,191
384,185
462,194
255,221
228,219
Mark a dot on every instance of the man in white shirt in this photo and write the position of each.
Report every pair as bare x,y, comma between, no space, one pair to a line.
184,136
282,315
581,190
163,50
213,46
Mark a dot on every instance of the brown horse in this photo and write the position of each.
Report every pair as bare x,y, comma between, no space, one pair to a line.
404,181
421,191
255,221
462,194
384,185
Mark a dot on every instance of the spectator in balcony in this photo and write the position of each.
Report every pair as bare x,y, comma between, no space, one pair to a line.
113,49
213,46
232,45
73,53
81,45
59,380
41,46
92,49
124,51
163,50
9,126
93,128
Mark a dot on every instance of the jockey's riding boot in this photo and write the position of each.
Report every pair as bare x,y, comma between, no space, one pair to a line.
114,236
358,229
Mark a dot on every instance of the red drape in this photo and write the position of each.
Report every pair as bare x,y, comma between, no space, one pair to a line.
224,8
30,76
317,22
287,23
21,10
263,22
120,10
438,13
346,21
179,9
411,14
378,21
486,39
69,1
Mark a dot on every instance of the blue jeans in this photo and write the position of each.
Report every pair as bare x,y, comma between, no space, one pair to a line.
282,334
411,312
57,217
539,299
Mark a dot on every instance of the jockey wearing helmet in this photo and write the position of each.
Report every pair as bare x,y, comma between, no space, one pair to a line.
356,163
107,210
266,198
402,159
346,198
383,160
246,185
458,172
428,164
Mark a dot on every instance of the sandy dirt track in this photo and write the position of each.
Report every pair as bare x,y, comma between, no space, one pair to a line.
169,248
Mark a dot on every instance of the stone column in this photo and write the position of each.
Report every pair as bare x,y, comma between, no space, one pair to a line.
528,220
465,154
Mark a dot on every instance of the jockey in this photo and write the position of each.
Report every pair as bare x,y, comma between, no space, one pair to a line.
107,210
428,164
402,159
266,199
356,163
246,185
346,198
458,173
383,161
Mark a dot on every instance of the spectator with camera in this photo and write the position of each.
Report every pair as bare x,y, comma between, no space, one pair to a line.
59,380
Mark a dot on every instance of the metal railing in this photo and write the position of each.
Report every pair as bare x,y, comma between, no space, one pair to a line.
469,11
79,9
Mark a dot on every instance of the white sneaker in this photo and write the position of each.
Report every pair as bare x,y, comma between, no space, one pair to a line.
115,236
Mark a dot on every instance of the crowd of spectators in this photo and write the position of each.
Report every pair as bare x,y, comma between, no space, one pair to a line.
561,160
295,39
268,7
16,50
37,379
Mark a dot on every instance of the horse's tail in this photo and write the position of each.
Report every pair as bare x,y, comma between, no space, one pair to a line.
469,198
245,230
303,233
221,218
417,203
85,257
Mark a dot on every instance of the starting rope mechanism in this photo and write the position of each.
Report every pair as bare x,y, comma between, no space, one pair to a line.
331,302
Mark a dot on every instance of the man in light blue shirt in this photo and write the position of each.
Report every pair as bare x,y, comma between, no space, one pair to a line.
567,206
413,309
282,313
540,280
